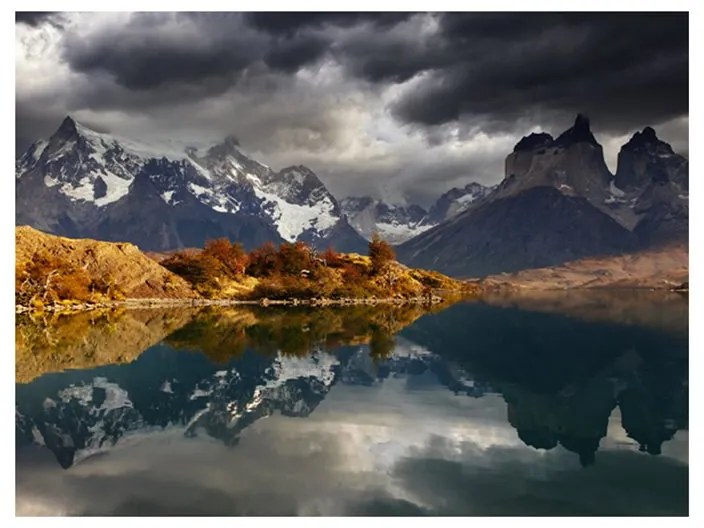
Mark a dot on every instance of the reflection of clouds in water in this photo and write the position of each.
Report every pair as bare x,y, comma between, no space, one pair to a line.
501,480
364,450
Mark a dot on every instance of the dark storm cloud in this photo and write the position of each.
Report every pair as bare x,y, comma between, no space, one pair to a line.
419,101
621,68
293,22
290,55
33,18
154,50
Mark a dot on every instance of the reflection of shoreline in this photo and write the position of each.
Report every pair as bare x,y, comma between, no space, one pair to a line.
560,378
91,339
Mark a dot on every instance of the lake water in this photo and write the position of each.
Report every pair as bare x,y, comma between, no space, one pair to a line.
560,404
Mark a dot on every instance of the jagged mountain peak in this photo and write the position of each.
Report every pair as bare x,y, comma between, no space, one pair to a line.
64,184
534,141
647,139
580,132
646,160
67,128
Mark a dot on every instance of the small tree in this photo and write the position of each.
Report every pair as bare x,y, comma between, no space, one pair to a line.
380,253
232,256
263,261
294,258
331,257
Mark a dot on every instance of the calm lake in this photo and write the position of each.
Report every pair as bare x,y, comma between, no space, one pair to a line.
565,403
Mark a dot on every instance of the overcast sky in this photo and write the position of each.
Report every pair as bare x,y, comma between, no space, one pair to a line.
388,104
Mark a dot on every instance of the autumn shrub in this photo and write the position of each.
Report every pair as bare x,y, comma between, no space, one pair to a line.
381,254
231,255
48,278
294,258
202,270
332,258
286,287
263,261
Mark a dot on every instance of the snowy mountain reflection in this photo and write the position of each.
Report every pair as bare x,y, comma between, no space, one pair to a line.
404,412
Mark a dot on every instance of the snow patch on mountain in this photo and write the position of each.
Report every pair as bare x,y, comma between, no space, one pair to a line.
291,219
318,365
398,232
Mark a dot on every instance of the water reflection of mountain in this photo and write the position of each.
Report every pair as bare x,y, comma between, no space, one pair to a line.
561,377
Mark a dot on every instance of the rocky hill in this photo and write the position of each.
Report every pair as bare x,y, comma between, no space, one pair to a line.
63,272
122,265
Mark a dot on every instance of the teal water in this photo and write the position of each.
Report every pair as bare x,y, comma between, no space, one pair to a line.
564,408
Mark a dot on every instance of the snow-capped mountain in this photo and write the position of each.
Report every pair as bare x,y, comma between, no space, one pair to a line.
398,223
458,200
395,223
86,183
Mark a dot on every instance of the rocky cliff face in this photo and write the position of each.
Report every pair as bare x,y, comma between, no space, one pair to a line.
655,181
646,159
559,202
85,183
458,200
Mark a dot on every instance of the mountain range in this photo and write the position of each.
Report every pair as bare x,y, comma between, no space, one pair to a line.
398,223
83,183
557,202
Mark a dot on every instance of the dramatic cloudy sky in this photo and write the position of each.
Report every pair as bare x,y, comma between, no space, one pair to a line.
390,104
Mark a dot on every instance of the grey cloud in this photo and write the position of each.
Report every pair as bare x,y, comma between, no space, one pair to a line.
289,23
302,87
34,18
506,481
624,69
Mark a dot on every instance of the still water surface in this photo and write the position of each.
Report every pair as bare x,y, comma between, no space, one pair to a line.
560,405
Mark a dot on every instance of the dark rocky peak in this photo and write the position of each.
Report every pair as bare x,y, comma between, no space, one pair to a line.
647,159
533,141
579,133
67,130
228,147
648,141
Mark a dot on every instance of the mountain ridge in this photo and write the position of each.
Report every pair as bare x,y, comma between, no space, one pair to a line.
559,202
73,183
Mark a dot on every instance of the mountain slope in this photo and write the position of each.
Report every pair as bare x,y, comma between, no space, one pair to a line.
558,202
538,227
661,268
85,183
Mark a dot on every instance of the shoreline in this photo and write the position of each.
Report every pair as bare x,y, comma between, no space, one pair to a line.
146,303
187,303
